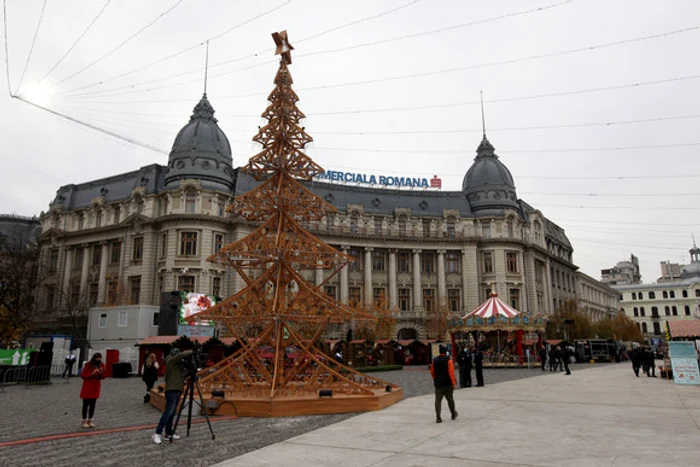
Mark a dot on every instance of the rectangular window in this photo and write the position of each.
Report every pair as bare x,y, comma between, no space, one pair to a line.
429,299
190,201
356,265
378,260
404,299
137,253
115,253
218,242
50,296
79,258
515,298
512,262
75,293
378,225
53,260
112,292
164,245
428,263
355,296
103,320
122,319
98,219
488,262
454,300
331,291
403,261
221,207
92,293
96,255
426,228
81,221
134,290
486,229
188,243
452,262
117,214
156,316
186,284
216,286
379,296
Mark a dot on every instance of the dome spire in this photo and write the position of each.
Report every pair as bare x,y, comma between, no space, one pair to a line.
483,118
206,69
485,148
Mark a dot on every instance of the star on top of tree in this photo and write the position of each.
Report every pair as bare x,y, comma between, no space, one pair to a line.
284,48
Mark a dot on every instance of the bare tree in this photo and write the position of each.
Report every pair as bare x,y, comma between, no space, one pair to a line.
20,277
72,315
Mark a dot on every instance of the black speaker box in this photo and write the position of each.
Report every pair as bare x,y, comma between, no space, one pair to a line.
168,314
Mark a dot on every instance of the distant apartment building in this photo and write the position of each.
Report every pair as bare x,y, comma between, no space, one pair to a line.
670,272
624,272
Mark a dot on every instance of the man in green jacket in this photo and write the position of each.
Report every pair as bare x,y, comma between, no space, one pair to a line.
174,386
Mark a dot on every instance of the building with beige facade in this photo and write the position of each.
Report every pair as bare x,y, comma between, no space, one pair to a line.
126,238
651,306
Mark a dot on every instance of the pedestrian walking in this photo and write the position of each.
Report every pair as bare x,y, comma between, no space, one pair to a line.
636,357
92,374
645,361
650,363
553,360
464,360
150,375
443,373
69,361
543,357
479,367
565,358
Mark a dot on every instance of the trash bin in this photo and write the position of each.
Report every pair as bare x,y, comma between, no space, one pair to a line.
121,369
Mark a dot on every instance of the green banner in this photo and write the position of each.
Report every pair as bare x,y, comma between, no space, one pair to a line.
15,357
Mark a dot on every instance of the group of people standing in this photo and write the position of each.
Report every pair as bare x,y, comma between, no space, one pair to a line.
442,371
643,357
559,358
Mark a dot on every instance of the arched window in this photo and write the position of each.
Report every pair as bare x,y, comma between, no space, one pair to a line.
654,312
644,328
667,310
657,329
674,311
672,294
190,201
641,311
687,310
450,227
402,225
652,295
641,296
685,294
665,294
636,311
538,230
354,222
634,295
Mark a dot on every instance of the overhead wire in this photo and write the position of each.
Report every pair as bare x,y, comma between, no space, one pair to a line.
31,47
251,55
70,49
120,45
7,53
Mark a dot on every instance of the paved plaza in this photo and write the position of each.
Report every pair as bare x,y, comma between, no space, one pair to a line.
55,410
601,416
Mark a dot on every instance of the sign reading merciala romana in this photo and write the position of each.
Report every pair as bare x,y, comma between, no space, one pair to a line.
380,180
279,317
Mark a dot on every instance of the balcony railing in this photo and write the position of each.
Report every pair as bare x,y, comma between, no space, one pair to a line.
369,231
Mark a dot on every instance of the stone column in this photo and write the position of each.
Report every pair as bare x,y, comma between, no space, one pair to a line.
417,288
149,289
393,288
529,275
368,276
319,274
442,285
548,296
68,268
344,289
471,268
102,287
86,268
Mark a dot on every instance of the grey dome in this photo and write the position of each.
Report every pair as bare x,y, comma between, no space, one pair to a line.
201,151
692,270
488,183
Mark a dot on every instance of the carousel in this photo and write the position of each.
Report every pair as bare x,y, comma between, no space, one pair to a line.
500,331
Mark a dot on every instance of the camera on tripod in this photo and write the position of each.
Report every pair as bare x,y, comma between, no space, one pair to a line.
195,362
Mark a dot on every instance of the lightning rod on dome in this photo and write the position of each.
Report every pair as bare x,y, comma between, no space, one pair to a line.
206,69
483,118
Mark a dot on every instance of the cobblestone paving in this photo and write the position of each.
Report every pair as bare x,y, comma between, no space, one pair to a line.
55,409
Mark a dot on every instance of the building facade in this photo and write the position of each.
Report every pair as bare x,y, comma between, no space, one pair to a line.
624,272
651,306
596,299
124,239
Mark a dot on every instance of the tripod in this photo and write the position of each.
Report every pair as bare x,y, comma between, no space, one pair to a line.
189,401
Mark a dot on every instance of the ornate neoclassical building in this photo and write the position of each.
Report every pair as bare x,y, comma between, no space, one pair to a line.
126,238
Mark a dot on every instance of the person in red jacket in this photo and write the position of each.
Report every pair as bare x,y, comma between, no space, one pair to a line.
92,373
443,372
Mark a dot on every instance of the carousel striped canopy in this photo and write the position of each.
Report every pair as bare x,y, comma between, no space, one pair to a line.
493,307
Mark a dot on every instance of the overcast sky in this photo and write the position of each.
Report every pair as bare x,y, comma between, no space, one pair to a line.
504,48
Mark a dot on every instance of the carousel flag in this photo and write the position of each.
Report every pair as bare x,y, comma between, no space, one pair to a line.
493,307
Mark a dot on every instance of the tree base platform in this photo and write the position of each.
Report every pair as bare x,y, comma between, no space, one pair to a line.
291,406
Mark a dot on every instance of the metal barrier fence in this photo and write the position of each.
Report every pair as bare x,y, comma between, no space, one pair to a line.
508,361
24,375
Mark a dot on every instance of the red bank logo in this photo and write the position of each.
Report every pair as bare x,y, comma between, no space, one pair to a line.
435,182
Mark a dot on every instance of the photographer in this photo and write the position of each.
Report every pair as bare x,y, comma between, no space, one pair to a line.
174,386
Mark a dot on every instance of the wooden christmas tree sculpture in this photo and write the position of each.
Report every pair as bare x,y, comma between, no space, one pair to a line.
278,317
